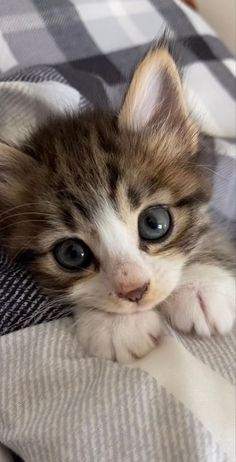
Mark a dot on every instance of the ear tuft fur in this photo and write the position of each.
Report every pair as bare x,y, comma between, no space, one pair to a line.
155,96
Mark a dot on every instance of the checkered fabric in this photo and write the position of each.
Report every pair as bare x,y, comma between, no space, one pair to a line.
93,47
83,51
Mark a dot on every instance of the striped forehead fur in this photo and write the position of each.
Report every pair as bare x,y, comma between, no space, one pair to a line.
76,167
76,162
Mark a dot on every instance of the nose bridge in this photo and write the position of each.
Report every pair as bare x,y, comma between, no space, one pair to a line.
122,261
128,275
120,255
117,243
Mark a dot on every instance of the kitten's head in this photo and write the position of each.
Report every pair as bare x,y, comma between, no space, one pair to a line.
107,207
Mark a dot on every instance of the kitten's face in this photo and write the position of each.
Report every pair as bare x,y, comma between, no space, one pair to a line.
109,208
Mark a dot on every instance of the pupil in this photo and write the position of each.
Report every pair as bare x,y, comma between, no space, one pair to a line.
151,222
73,253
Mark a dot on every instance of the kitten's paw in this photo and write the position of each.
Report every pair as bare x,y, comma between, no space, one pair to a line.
118,337
204,306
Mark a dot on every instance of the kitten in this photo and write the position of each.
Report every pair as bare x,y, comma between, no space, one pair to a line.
111,212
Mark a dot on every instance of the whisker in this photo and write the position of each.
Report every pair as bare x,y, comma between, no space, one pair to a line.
59,302
45,309
22,214
23,221
26,204
89,310
205,167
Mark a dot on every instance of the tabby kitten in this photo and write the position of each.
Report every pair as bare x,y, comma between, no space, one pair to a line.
111,211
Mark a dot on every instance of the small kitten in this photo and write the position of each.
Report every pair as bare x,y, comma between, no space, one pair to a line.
111,212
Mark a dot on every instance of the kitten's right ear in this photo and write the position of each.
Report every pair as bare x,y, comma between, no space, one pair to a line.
15,167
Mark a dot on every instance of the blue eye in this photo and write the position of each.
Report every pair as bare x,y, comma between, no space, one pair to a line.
73,254
154,223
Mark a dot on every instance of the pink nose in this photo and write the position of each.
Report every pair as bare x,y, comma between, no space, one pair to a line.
135,295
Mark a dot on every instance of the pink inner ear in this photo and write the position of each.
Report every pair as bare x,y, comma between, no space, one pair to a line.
155,96
147,98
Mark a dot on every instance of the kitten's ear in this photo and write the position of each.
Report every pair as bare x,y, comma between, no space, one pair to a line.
155,95
15,168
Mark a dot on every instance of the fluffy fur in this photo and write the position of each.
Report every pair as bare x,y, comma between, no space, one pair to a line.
89,176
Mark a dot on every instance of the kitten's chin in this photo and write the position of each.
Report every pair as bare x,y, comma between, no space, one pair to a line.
132,308
146,307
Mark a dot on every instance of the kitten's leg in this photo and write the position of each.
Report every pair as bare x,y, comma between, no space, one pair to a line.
204,300
118,337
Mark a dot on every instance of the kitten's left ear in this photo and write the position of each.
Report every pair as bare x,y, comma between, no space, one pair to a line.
155,96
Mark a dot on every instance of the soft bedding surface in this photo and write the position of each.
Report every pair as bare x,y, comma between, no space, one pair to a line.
55,403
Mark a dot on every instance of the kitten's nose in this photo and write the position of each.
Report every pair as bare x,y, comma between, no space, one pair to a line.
135,295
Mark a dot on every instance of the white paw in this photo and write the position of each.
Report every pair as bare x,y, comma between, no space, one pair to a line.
122,338
204,306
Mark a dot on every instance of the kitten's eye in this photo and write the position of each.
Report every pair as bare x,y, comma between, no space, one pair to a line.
73,254
154,223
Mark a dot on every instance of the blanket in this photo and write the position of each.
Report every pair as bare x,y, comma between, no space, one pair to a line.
55,403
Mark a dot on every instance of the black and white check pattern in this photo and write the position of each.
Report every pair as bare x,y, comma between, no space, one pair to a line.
93,47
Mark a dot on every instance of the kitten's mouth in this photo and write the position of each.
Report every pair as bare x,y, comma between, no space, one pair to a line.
145,307
138,307
133,308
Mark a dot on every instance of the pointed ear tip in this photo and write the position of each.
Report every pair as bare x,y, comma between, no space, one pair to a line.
162,56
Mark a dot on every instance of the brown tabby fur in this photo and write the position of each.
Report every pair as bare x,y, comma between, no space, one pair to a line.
54,185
